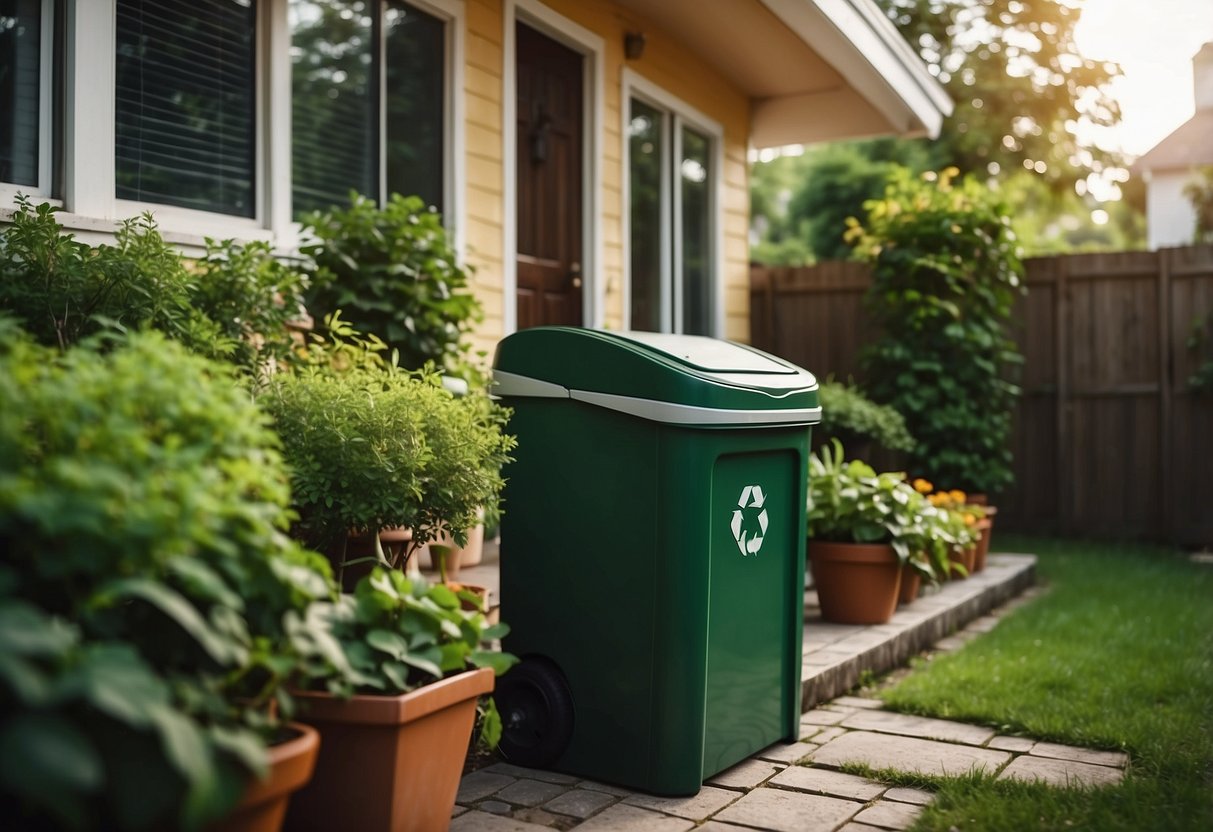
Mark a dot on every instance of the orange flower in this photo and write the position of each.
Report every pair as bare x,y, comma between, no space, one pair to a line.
958,496
922,486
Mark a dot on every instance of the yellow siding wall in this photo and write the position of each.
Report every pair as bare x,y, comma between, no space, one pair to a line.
665,63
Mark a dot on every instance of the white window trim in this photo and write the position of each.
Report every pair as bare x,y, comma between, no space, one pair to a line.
89,114
591,46
46,148
677,113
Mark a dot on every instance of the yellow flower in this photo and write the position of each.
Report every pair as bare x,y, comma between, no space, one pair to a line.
922,486
969,520
959,496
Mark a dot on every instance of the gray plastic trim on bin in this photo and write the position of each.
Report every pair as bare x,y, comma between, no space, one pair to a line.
512,384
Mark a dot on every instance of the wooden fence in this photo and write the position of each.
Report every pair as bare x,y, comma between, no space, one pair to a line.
1108,440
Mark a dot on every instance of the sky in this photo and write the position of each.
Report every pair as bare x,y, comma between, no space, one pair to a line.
1153,41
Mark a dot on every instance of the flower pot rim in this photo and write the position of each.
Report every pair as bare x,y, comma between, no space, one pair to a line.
831,550
291,764
396,709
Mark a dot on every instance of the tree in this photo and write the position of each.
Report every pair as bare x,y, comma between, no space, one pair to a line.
1199,192
1019,84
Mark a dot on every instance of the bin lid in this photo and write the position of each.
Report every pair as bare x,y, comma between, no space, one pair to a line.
677,379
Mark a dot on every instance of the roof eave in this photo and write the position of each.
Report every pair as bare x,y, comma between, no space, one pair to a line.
898,94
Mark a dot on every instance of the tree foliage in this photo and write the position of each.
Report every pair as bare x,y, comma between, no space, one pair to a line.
1019,84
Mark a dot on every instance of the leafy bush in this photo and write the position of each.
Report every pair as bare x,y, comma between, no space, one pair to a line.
945,276
393,273
143,499
63,290
252,297
850,503
400,634
372,449
851,417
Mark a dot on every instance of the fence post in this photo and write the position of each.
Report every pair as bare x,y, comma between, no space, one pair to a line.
1164,393
1061,312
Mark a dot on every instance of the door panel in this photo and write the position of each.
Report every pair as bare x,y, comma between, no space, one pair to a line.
549,177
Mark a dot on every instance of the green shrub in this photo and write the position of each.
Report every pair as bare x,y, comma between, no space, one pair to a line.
371,449
392,271
144,500
252,297
851,417
945,275
63,290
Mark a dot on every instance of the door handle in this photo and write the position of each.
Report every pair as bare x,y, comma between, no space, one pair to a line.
575,275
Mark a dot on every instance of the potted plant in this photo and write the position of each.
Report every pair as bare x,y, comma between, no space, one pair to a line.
374,448
151,605
859,524
966,521
395,723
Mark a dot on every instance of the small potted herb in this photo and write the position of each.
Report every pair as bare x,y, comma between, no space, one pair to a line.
396,717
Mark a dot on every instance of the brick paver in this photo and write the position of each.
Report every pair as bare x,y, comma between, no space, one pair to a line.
881,751
485,822
579,803
906,795
1016,744
783,811
824,781
479,785
700,806
821,716
531,773
745,775
624,818
1060,772
530,792
1080,755
917,726
889,815
787,753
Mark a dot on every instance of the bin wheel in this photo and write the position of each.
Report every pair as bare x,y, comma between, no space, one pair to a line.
536,709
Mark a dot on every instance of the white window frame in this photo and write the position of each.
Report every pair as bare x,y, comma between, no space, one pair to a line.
676,115
89,181
591,46
43,190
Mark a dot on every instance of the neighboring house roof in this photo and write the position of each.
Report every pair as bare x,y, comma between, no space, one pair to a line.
1190,145
815,70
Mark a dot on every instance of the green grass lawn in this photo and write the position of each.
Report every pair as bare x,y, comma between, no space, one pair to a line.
1119,655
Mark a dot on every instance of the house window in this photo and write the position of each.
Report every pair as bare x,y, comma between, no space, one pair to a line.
671,210
29,33
185,104
369,101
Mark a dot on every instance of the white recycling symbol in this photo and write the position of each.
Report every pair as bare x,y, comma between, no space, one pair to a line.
749,540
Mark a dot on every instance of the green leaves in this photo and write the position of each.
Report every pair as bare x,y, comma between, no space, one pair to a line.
946,273
397,634
393,271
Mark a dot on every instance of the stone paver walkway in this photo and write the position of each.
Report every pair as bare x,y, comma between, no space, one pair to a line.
793,787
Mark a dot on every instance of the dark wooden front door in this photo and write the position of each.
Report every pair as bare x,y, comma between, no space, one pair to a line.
550,229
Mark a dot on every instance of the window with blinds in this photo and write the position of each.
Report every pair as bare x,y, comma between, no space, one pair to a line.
368,102
20,90
186,104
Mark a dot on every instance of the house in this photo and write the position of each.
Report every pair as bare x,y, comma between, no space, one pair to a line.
1171,164
589,156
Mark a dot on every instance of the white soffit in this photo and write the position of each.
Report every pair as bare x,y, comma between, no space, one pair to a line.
814,70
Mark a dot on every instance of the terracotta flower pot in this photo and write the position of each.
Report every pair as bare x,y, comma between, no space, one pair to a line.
857,583
965,557
911,582
361,546
263,806
983,544
389,763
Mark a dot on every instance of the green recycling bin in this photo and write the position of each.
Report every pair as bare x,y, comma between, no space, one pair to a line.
652,553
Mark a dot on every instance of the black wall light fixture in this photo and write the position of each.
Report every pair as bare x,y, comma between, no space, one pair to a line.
633,45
